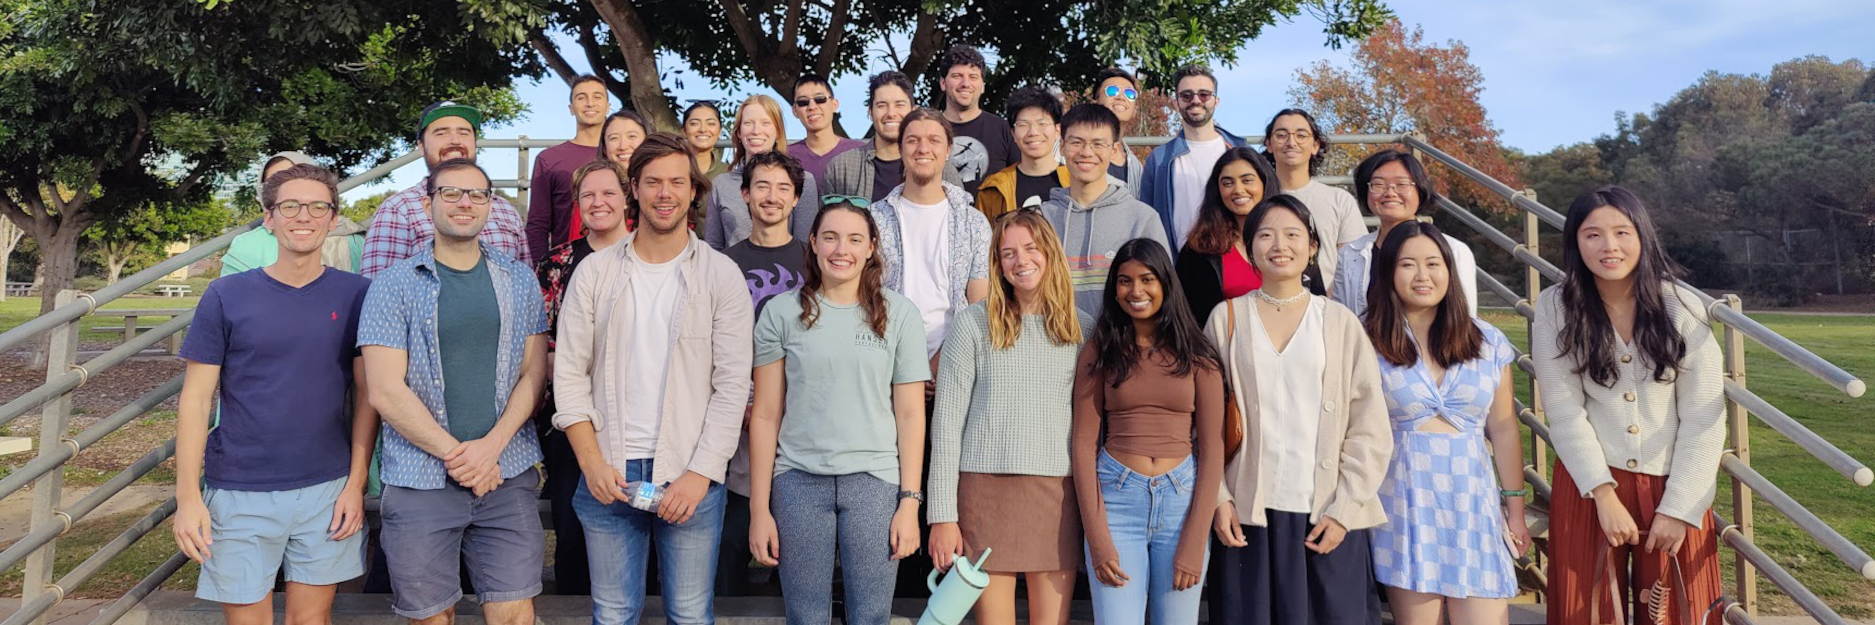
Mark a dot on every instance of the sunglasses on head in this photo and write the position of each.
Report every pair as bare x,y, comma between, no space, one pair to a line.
803,102
1116,90
856,201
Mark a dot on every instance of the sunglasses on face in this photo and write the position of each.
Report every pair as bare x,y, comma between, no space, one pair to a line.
803,102
1116,91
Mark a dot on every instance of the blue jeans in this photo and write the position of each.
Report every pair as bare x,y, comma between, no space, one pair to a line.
618,545
1144,515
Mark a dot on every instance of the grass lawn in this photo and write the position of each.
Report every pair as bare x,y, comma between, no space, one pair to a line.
17,310
1845,422
122,572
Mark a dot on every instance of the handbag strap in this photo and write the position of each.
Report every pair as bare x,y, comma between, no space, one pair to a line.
1606,578
1236,383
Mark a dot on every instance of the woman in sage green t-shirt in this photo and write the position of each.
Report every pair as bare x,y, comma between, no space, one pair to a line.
836,438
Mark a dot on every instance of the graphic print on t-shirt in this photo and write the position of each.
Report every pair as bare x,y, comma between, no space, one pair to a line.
969,158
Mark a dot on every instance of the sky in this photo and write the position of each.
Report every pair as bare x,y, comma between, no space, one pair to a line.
1555,73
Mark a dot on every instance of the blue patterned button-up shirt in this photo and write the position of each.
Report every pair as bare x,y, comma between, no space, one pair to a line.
400,313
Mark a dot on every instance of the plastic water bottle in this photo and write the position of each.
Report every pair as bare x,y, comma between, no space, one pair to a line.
644,495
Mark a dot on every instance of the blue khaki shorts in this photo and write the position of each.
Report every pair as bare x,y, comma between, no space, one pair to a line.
427,533
256,532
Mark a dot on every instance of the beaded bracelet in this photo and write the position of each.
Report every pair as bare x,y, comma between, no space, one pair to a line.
1508,493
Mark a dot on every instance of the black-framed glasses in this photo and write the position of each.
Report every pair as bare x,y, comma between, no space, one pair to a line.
1116,90
1197,96
455,194
856,201
803,102
291,208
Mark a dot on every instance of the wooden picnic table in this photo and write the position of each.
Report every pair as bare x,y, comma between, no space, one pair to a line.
131,329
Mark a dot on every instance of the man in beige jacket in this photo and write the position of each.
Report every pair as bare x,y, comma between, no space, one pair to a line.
651,373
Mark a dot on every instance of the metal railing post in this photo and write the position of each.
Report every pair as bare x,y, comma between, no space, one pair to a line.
61,357
524,174
1744,576
1532,287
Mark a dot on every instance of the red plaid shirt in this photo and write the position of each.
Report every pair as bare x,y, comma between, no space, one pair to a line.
401,227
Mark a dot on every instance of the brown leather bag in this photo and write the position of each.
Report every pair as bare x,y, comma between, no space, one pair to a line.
1233,416
1655,603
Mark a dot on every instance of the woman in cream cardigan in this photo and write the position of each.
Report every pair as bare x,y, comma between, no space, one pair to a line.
1301,494
1630,381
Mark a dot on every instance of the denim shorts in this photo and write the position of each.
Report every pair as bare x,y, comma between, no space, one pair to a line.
256,532
428,532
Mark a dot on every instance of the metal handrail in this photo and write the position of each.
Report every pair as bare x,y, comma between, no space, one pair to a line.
1779,576
1857,559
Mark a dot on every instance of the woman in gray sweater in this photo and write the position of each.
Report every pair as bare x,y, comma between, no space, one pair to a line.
999,430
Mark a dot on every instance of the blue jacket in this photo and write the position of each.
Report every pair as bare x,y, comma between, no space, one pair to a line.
1156,187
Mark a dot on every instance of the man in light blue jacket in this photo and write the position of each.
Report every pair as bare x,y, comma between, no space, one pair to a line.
1177,171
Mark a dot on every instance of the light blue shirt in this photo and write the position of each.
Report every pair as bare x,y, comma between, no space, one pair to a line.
400,313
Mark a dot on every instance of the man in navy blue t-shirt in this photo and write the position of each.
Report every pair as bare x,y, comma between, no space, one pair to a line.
285,471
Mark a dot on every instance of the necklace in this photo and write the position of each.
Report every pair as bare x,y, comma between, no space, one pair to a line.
1279,303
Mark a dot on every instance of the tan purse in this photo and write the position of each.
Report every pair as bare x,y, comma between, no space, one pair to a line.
1233,416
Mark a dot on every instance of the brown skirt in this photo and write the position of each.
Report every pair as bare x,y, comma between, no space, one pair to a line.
1030,521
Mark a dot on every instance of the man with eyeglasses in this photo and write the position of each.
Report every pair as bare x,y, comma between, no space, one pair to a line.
286,471
402,225
455,348
344,247
1037,115
1177,171
1095,214
552,218
1118,90
1297,147
875,170
816,107
985,143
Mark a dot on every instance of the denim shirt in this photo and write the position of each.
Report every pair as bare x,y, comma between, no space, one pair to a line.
400,313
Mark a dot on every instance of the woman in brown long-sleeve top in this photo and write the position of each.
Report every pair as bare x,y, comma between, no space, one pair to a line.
1148,451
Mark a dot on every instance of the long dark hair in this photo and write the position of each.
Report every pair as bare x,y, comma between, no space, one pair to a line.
871,278
1179,336
627,115
1312,274
1587,333
1452,339
1216,229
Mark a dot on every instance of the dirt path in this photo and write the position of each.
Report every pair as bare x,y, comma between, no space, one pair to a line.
16,512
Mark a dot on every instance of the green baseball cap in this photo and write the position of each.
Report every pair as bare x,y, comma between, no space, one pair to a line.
449,108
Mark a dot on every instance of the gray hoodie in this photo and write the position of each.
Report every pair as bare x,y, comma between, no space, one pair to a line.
1090,235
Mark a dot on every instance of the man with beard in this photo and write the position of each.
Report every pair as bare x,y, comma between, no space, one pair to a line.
983,143
873,171
402,225
552,218
454,342
1177,171
651,378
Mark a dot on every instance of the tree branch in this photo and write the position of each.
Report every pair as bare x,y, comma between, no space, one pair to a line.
589,42
925,40
745,32
790,28
891,52
551,55
641,61
830,41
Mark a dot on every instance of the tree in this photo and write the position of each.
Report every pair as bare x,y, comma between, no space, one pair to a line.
144,232
773,42
1399,83
106,111
10,234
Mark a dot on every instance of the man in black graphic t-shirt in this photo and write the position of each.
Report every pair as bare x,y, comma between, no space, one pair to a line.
984,143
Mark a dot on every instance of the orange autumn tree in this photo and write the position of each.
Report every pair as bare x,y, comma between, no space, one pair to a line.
1399,83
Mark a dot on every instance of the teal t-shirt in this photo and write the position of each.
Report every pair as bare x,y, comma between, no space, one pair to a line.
838,419
468,328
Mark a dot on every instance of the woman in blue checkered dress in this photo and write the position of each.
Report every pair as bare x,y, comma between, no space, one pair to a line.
1446,377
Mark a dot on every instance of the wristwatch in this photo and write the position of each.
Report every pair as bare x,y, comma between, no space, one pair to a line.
911,494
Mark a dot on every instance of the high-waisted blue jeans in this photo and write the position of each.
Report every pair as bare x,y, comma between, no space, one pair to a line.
1144,515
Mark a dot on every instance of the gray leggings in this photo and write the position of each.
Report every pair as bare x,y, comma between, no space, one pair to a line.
821,516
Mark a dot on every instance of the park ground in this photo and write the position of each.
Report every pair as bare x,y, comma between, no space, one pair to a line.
1842,339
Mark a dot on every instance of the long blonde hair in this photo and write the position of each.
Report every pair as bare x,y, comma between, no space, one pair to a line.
761,104
1005,314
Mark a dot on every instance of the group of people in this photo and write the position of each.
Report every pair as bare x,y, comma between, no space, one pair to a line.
1004,338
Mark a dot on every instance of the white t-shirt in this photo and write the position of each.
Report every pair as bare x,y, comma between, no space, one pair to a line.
924,230
1289,402
653,302
1190,172
1337,220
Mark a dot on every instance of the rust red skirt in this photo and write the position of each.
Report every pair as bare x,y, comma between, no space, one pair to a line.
1576,539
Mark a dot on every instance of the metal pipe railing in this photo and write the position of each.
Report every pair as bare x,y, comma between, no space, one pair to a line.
53,459
110,614
71,380
37,606
1781,578
1515,197
1857,559
1823,450
42,535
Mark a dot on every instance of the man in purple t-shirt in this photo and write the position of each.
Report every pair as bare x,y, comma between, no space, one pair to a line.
816,107
551,219
285,471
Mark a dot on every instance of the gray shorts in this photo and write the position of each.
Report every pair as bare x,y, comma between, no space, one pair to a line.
426,531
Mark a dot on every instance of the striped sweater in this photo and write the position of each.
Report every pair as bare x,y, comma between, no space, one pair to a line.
1091,235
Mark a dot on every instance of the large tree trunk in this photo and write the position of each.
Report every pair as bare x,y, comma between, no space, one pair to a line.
641,61
114,266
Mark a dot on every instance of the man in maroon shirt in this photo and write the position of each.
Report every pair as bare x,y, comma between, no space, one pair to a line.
551,219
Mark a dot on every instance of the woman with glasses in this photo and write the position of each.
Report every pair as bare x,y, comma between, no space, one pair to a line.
1393,185
999,433
1148,444
703,127
1303,489
757,130
837,436
1118,90
1297,147
1450,538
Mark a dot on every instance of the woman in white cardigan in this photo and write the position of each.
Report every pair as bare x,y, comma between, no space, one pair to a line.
1628,371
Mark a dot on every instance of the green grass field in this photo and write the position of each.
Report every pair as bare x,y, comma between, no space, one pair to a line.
1846,341
17,310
